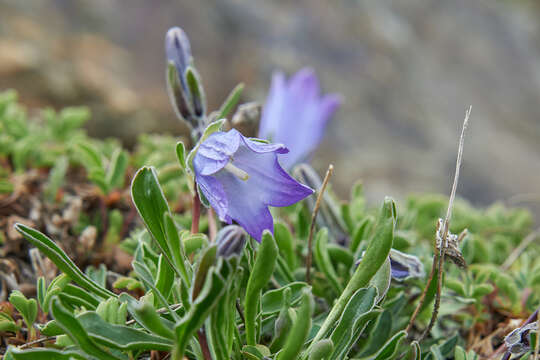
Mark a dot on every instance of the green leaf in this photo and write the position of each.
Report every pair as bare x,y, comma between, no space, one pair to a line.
116,172
285,244
56,178
27,307
177,247
203,268
61,260
379,335
165,277
361,232
7,324
321,350
300,329
193,242
41,291
51,328
145,275
76,291
481,290
355,316
45,354
272,300
151,205
77,332
375,256
456,285
181,154
210,295
322,259
146,315
120,336
382,279
231,101
112,311
391,347
259,277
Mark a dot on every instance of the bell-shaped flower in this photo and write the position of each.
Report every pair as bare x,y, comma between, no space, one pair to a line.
241,177
295,114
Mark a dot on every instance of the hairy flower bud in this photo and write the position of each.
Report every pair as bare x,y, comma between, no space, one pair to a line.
230,241
183,81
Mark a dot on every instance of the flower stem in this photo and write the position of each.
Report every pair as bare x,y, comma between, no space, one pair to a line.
196,215
212,226
196,212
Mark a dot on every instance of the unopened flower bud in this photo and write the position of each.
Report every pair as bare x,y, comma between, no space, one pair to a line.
329,210
183,82
403,266
230,241
518,341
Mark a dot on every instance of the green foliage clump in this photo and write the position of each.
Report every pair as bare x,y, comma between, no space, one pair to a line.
184,299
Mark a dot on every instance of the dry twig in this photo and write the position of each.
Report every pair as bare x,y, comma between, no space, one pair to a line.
313,218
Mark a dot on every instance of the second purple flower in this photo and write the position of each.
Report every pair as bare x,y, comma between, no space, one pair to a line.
295,114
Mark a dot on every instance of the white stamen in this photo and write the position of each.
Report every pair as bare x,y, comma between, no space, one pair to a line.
239,173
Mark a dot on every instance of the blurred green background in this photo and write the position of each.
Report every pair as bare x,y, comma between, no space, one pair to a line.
406,69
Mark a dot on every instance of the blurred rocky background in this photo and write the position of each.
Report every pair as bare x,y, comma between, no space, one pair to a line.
406,69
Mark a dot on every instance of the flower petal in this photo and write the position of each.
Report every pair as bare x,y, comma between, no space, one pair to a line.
216,151
273,108
296,115
216,196
274,186
245,206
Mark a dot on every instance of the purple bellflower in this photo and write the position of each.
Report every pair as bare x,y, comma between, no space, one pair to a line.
295,114
241,177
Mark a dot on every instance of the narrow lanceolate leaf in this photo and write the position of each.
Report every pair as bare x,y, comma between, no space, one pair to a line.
181,154
322,259
77,332
259,277
151,205
61,260
119,336
27,307
300,329
355,316
146,315
45,354
375,256
390,349
321,350
210,295
177,247
165,277
117,169
231,101
272,300
144,274
285,242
